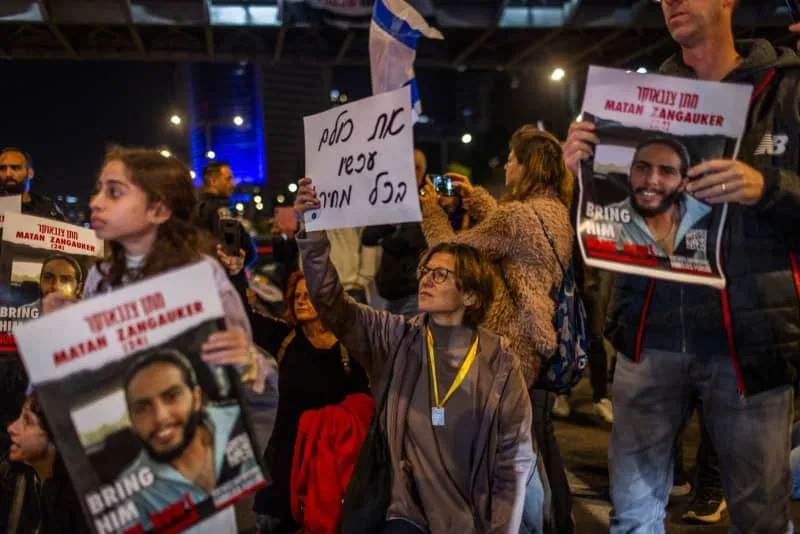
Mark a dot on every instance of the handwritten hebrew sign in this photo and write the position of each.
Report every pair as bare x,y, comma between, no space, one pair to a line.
361,160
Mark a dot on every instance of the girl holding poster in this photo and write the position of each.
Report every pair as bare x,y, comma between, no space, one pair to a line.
143,205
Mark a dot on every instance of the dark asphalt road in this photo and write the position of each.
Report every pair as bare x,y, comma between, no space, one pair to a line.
584,445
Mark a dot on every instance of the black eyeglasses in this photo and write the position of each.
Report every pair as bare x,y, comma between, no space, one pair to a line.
440,274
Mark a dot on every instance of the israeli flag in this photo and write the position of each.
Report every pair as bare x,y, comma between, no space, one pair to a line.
393,35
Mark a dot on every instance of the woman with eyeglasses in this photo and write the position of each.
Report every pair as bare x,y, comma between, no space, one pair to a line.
521,233
457,417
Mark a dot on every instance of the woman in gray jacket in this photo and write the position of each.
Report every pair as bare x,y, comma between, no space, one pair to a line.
457,415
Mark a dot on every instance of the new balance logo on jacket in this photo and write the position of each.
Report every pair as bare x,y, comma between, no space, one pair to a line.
772,145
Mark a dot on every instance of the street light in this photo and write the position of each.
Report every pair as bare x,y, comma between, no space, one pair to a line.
238,120
211,154
558,74
175,119
466,138
292,187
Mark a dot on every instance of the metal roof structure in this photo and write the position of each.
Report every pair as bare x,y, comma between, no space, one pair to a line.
479,34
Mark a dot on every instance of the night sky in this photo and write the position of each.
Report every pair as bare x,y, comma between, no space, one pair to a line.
64,113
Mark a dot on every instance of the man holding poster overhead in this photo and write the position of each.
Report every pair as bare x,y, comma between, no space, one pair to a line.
736,348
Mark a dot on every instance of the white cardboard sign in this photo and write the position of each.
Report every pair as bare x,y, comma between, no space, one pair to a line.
361,159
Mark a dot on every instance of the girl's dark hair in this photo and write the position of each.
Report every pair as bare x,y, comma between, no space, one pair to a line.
59,469
545,170
291,290
36,407
472,274
168,181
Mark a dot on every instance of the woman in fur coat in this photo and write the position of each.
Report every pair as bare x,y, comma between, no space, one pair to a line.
513,232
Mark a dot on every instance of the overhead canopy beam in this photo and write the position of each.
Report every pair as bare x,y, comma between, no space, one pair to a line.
641,52
635,11
474,46
45,12
137,39
586,52
544,41
279,40
208,30
346,44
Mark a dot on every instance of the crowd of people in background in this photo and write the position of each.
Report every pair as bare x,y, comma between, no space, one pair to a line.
442,331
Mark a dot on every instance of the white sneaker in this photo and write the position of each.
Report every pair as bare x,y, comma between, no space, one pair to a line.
604,411
561,406
680,490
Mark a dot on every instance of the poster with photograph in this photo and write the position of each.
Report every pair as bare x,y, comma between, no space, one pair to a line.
634,214
153,438
39,256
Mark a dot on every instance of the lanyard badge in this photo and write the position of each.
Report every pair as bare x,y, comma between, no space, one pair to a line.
437,410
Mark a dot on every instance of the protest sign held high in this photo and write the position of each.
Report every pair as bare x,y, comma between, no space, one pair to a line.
360,157
635,215
40,256
154,439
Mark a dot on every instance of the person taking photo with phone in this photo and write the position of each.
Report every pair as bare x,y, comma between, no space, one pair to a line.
235,249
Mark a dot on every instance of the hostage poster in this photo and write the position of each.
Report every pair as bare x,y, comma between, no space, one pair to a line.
153,438
40,256
635,215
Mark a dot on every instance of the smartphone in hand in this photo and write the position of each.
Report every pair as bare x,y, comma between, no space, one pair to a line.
443,185
230,236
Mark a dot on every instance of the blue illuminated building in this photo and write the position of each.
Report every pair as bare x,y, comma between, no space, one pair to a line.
219,95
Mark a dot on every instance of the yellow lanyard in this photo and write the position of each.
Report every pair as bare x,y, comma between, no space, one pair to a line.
462,373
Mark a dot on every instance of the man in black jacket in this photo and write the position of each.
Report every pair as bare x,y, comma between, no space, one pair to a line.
214,204
16,173
737,349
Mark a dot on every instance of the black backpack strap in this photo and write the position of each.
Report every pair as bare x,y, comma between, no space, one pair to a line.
552,243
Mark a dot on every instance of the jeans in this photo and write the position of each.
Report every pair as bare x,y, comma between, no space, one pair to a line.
533,510
407,306
652,399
